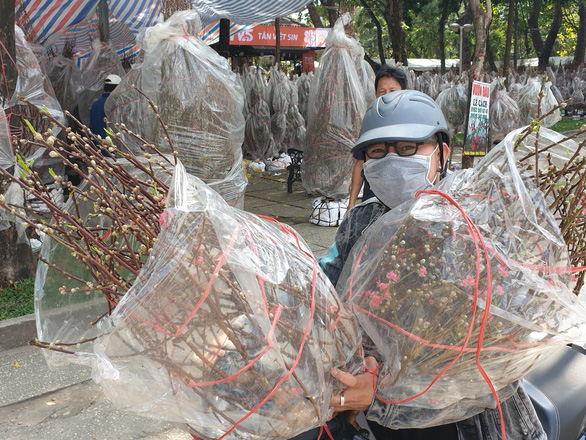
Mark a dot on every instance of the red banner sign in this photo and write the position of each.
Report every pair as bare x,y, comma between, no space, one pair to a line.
290,36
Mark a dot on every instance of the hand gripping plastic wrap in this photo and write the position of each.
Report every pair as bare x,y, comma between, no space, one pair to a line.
34,86
336,107
453,101
103,61
531,107
258,138
230,328
197,96
463,287
279,103
65,77
504,111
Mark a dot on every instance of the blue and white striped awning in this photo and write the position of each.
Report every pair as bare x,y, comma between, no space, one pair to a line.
50,19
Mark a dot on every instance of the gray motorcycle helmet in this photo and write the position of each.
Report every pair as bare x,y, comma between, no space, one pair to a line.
404,115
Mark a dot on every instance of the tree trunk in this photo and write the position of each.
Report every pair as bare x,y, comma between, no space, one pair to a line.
581,38
223,46
103,21
490,56
17,261
509,37
379,32
533,25
314,16
395,14
482,20
332,11
441,35
278,42
551,36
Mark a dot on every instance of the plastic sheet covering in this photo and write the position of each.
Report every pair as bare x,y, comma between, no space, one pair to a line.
530,107
6,152
577,96
230,328
453,102
69,317
423,285
198,98
258,139
303,88
367,76
65,77
279,103
295,135
32,84
336,108
504,111
103,61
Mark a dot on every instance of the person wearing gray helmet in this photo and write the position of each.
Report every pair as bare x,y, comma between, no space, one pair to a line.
405,137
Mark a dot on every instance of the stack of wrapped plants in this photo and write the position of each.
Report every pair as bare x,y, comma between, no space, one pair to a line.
453,102
198,97
33,87
258,139
336,106
279,103
295,136
536,99
65,77
464,289
504,111
303,88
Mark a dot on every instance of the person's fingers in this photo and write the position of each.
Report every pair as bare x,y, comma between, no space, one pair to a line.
346,378
371,363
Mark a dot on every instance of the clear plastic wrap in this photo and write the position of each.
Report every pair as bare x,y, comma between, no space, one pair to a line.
197,96
303,88
453,102
33,85
295,136
69,305
258,138
279,103
102,62
6,152
478,266
504,111
336,107
531,107
65,77
230,328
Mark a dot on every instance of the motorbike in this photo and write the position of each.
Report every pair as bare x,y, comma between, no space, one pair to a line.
557,388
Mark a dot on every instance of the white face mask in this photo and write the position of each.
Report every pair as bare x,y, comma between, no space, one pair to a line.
395,179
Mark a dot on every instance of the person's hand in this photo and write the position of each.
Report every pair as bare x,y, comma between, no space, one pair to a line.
359,390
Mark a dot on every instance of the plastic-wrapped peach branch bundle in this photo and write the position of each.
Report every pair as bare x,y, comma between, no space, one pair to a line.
504,111
453,100
531,106
337,104
258,139
198,97
477,268
230,328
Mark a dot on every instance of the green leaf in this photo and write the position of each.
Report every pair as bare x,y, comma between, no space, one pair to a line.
30,127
